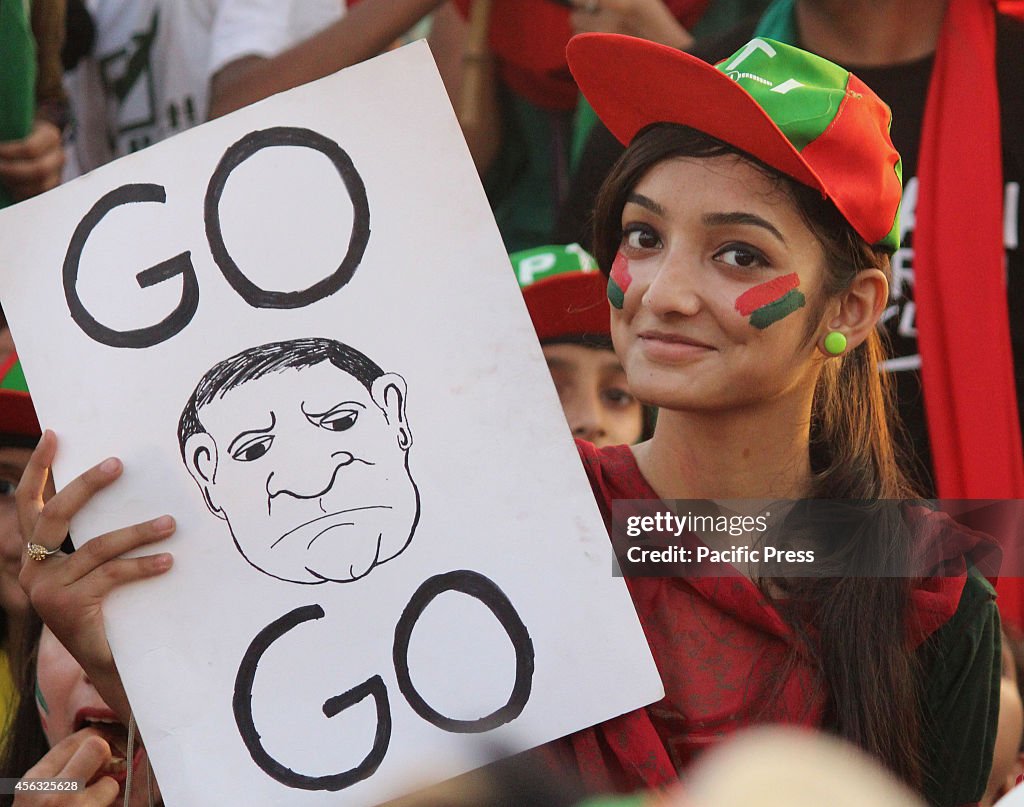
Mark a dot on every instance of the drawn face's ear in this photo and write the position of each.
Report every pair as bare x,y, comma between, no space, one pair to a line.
388,392
201,461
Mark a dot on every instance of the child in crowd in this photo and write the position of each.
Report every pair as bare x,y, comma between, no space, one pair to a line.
565,295
62,730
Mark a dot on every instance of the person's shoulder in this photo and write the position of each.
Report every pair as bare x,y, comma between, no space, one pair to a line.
949,561
947,547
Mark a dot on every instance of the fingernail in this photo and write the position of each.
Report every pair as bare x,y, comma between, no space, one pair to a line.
163,524
163,561
111,465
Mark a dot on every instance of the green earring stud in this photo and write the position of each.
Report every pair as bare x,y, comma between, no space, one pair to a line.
835,343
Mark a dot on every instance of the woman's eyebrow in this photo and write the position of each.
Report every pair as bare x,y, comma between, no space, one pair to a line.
249,432
646,202
718,219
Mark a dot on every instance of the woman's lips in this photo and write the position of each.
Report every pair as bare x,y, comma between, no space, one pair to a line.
661,346
107,725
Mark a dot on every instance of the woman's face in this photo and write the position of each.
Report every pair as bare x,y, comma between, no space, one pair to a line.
13,600
719,273
596,400
68,702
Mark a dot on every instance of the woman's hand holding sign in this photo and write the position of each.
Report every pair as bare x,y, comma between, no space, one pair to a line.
68,590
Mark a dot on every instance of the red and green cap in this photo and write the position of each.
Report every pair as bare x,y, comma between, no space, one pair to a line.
17,415
564,291
796,112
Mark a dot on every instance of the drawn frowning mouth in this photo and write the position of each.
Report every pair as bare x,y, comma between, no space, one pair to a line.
318,526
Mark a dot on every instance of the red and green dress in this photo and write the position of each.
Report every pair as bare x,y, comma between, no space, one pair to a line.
720,646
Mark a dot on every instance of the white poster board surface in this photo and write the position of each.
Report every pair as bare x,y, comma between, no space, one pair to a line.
298,328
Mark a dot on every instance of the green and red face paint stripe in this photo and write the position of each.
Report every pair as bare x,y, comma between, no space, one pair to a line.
772,300
42,704
618,281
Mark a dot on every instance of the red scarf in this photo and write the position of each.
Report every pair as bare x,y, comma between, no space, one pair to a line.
960,285
719,646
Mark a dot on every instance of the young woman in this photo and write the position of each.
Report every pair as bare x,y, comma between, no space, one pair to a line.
746,233
62,730
748,229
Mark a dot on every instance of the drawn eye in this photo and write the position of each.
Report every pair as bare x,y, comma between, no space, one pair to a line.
338,420
253,449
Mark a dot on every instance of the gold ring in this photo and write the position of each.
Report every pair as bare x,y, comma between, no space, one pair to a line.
40,552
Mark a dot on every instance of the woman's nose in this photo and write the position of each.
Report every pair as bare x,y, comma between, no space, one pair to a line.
674,288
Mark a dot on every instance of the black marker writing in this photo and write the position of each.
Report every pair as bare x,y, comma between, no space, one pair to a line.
481,588
182,265
237,154
242,703
178,265
471,583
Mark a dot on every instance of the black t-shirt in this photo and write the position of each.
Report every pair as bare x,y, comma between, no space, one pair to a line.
904,87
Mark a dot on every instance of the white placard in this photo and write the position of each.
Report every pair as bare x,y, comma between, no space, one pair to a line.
298,328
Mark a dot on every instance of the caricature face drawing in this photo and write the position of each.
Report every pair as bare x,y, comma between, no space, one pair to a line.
302,448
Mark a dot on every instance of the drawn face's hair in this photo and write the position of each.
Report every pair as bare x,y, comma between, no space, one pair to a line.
256,362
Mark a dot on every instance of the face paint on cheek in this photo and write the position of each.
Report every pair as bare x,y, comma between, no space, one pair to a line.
771,301
40,699
618,281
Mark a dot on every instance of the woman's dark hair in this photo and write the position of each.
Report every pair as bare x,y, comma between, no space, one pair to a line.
24,743
857,630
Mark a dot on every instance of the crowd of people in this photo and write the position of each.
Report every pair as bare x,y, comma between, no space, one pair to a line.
770,251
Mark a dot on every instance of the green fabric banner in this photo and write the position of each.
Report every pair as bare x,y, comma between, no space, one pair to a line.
17,77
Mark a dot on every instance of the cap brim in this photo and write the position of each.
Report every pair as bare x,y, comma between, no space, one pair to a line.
568,305
632,83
